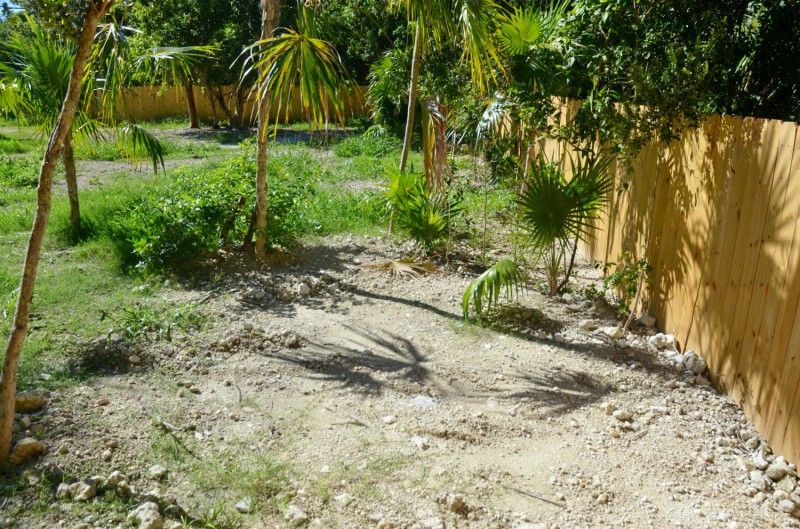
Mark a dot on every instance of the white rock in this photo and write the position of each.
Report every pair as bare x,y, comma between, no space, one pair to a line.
759,462
134,359
559,338
608,408
245,506
776,471
541,335
622,415
587,325
83,490
694,362
389,419
114,479
295,516
157,472
615,333
420,442
786,506
146,516
303,289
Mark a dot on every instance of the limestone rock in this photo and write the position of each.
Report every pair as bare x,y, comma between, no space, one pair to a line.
30,401
25,449
146,516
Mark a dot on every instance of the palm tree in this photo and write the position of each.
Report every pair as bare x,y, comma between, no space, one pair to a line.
63,124
39,72
290,61
437,20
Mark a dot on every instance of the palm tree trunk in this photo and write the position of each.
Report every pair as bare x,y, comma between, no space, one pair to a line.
8,376
270,13
192,105
412,98
71,176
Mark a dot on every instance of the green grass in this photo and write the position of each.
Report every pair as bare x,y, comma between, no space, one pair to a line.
17,145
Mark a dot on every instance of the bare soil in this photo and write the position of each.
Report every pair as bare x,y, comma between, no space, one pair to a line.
370,403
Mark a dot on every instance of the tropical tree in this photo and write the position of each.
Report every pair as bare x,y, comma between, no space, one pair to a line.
63,124
435,21
287,62
38,73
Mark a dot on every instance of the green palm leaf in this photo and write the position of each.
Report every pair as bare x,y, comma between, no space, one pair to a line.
140,144
505,277
556,209
295,61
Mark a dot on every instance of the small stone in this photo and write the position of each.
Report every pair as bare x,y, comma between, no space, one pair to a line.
295,516
622,415
758,480
776,471
147,516
559,338
245,506
25,421
114,479
303,289
30,401
786,506
608,408
84,490
157,472
63,492
432,523
694,362
457,505
602,499
587,325
101,402
759,461
344,499
25,449
256,294
134,359
106,455
542,335
615,333
422,402
787,483
389,419
420,442
646,320
375,517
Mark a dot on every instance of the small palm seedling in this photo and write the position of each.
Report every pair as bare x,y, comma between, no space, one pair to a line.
506,277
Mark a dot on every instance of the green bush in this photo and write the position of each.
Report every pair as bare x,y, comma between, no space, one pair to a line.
367,145
201,212
20,171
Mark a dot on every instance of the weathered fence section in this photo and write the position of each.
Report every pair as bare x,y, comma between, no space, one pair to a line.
721,207
153,103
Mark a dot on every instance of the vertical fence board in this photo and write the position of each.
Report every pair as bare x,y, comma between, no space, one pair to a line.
760,174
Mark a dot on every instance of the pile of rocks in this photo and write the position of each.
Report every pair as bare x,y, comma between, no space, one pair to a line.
772,478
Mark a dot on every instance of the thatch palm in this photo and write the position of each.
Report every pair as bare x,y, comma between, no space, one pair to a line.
296,60
555,213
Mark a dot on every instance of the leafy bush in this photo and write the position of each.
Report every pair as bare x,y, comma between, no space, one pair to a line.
202,212
10,145
626,278
19,171
367,144
142,323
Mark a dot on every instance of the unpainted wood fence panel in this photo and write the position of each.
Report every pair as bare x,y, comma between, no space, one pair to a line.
722,205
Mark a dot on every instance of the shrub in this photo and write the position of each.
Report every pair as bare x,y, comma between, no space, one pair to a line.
202,212
367,144
21,171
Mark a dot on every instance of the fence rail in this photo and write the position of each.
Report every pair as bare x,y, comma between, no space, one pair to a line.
721,206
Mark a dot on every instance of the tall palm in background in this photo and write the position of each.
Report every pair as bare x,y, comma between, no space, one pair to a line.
36,80
464,21
287,63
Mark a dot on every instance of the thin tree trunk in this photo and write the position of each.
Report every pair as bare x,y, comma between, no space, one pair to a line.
71,176
8,377
270,13
412,98
192,105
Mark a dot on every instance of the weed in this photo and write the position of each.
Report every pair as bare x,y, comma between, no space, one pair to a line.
626,278
368,145
140,323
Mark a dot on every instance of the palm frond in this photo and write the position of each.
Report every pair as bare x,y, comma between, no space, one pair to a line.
294,61
140,144
556,209
480,51
172,65
504,278
405,268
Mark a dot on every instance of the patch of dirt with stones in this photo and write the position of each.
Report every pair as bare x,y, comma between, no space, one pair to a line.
327,394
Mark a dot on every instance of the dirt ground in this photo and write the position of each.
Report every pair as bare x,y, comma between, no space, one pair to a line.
366,401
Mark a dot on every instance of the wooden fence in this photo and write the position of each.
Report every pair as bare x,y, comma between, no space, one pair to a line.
153,103
723,208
